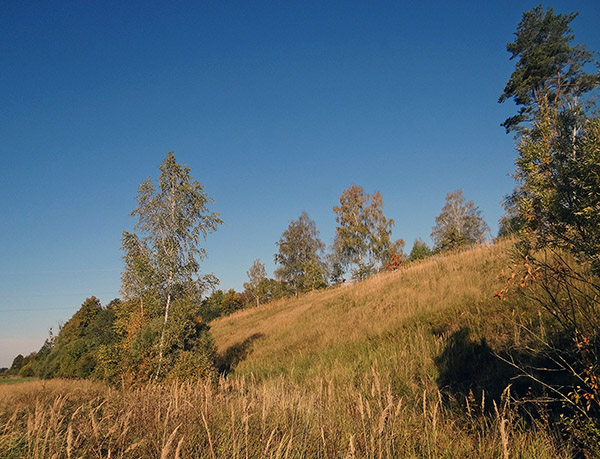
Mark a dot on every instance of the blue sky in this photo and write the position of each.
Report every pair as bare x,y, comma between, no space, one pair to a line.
277,107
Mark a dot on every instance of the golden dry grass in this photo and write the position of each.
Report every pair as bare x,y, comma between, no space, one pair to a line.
240,418
347,372
284,333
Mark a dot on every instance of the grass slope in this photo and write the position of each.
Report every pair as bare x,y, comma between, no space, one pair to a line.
397,320
369,370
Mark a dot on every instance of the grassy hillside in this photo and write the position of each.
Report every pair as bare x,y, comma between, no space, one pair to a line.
398,322
391,367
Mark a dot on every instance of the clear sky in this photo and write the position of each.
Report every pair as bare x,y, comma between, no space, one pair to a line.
277,107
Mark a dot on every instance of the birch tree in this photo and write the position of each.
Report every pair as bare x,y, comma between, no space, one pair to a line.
458,224
363,235
255,275
173,220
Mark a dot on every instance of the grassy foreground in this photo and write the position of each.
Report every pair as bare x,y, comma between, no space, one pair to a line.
369,370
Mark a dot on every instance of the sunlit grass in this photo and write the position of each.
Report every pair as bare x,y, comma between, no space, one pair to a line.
243,418
390,316
344,372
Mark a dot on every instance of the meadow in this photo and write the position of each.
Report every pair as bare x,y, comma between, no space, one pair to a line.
403,364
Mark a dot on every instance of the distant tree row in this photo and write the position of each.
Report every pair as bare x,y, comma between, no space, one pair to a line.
362,245
159,329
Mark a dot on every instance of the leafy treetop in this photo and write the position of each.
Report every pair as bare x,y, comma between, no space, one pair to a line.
549,71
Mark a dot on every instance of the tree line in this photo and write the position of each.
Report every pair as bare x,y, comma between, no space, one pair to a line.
362,246
159,330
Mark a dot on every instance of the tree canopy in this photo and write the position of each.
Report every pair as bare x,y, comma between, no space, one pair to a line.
172,221
363,235
549,70
299,259
459,223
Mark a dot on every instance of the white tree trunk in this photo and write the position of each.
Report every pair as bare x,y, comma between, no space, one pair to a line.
162,335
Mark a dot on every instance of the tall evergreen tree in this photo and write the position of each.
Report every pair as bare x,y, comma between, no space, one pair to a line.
549,71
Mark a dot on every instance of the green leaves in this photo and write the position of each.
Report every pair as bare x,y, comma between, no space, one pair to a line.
363,233
172,221
549,71
419,251
75,353
163,258
459,223
300,265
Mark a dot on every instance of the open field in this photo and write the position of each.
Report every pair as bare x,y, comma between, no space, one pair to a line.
382,368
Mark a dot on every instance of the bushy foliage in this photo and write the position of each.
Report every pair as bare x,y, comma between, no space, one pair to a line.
273,289
232,301
212,306
74,353
459,224
560,188
299,256
137,355
556,210
420,250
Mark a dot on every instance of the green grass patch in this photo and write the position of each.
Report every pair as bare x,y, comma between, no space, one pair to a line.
8,380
